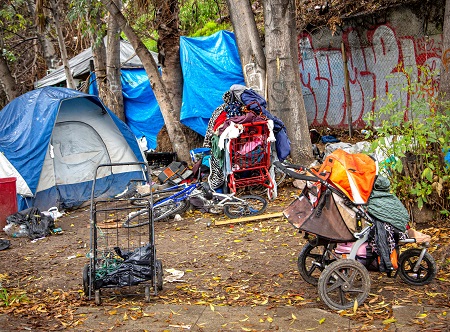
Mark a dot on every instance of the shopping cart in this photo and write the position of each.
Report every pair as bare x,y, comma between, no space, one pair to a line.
121,257
250,157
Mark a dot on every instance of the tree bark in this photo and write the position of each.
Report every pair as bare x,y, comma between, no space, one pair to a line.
250,48
172,123
444,85
62,45
114,99
285,98
48,50
7,82
99,57
167,21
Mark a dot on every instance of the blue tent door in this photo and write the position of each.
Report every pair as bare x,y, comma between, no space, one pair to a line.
78,149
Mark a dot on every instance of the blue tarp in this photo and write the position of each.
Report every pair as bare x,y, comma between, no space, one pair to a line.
210,66
142,112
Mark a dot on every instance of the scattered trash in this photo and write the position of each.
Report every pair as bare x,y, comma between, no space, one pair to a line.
29,222
36,240
53,212
16,230
57,230
174,276
178,217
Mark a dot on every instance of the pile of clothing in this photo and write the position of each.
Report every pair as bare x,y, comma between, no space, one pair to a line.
241,105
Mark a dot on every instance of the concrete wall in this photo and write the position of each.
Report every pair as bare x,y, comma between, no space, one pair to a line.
382,56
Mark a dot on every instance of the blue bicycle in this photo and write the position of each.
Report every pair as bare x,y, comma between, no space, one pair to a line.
169,203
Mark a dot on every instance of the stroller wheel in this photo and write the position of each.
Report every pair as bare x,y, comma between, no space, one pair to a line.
343,283
426,270
312,260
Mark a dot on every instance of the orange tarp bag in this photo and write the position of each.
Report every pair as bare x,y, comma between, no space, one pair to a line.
353,174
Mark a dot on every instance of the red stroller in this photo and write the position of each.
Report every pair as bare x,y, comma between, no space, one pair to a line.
345,239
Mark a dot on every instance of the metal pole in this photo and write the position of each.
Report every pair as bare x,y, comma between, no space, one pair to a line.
347,91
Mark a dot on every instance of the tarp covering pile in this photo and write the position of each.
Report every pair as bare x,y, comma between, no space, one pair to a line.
354,174
386,206
210,66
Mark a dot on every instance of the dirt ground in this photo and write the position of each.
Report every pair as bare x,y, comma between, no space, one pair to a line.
235,264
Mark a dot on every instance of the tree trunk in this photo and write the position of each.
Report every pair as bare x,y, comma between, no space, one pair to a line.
99,57
444,85
48,50
7,81
250,48
114,98
62,45
167,22
285,98
172,123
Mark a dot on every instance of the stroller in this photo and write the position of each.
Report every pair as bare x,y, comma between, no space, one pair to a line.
348,234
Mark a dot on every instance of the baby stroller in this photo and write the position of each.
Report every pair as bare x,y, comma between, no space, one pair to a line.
347,233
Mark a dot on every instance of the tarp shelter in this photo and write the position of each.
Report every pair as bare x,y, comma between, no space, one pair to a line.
210,65
80,65
53,139
142,112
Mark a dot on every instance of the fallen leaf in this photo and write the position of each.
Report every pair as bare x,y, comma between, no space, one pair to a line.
389,321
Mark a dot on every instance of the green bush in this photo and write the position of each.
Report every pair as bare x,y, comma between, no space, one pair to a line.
411,132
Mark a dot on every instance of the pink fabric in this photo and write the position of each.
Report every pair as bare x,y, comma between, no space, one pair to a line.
250,146
345,248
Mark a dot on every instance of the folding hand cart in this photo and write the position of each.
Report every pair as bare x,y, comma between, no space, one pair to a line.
249,156
121,257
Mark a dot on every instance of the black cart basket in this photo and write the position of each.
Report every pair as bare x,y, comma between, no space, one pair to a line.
121,257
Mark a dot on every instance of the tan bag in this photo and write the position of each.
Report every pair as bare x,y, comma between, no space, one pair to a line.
420,237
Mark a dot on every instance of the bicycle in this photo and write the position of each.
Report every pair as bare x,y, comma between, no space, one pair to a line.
214,202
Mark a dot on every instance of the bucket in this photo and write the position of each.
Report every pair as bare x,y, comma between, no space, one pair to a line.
8,199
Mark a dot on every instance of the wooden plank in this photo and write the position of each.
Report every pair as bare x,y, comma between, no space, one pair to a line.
252,218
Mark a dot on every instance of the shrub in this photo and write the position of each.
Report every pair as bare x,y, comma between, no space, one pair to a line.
411,132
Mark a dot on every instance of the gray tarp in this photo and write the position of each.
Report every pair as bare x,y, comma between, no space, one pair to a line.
79,65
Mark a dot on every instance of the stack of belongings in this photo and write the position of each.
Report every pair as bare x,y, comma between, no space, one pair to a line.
241,105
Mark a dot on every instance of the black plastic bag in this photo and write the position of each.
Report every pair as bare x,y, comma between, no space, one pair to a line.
135,269
38,224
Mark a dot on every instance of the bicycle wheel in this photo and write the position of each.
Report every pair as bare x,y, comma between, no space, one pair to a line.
137,219
342,283
142,199
252,205
163,210
312,260
426,270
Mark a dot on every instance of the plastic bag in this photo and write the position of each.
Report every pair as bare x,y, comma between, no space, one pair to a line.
35,223
135,268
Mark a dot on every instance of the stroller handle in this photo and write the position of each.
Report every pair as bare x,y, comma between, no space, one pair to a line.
286,168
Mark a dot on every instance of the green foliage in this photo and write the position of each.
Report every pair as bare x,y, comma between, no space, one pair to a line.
209,29
198,17
11,20
83,13
7,299
413,135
